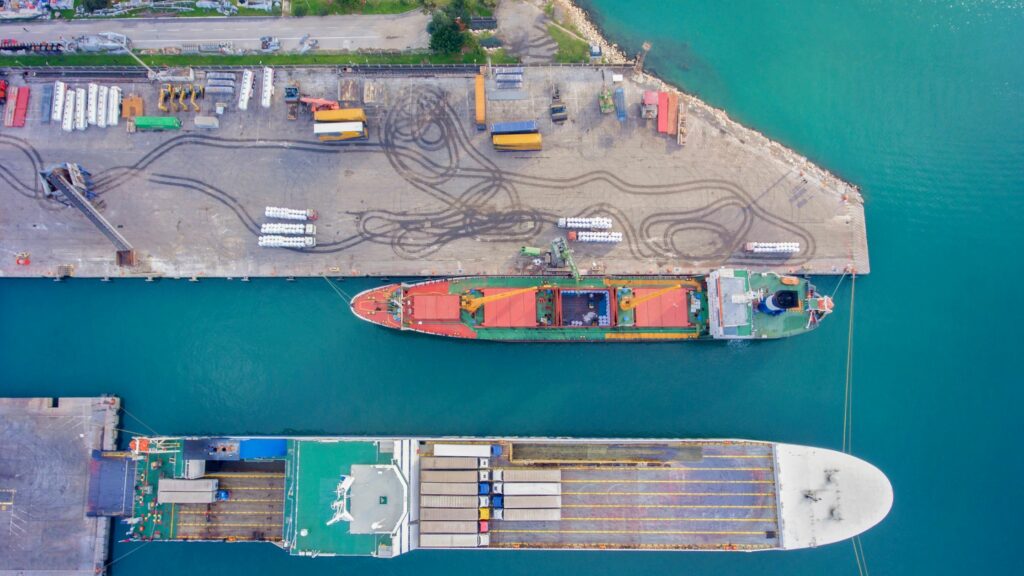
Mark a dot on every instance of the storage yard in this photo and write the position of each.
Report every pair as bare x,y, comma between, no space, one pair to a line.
414,187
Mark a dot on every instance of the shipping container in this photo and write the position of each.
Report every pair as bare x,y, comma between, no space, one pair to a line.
449,527
459,514
481,103
532,502
21,107
449,488
532,514
68,115
663,112
101,106
531,475
223,90
342,115
80,103
216,82
449,463
59,91
156,123
449,476
449,502
178,485
268,87
46,104
532,489
221,76
453,540
94,94
517,142
477,450
518,127
171,497
330,131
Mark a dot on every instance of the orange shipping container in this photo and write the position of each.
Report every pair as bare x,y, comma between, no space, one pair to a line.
481,103
342,115
516,141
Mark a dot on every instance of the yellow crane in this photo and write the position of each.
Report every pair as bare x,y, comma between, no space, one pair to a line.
630,302
182,94
196,92
472,303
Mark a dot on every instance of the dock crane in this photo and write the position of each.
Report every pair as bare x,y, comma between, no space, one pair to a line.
472,303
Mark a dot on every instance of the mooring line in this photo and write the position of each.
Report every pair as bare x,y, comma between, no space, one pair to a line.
341,293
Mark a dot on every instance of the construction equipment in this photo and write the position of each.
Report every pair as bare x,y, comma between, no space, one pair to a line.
165,93
291,98
317,104
197,92
561,257
471,303
559,114
183,93
629,301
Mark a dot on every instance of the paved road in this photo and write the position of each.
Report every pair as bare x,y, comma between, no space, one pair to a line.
390,31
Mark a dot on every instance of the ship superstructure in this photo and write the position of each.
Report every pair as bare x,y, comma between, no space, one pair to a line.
360,496
725,304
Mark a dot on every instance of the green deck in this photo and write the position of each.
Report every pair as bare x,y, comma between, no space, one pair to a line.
314,470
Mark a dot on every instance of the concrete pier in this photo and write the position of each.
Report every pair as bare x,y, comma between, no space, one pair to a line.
426,194
44,473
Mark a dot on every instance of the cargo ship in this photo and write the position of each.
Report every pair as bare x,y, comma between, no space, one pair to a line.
386,496
725,304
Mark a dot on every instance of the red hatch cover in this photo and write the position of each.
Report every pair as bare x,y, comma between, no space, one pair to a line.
667,310
427,307
512,312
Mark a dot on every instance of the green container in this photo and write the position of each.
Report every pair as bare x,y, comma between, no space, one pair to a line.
156,123
531,251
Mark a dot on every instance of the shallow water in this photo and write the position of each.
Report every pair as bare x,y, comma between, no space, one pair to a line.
917,102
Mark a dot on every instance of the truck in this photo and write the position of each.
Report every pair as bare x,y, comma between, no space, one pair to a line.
338,131
516,127
481,103
531,514
532,502
449,476
528,475
156,123
476,450
447,501
449,527
620,104
450,463
340,115
449,488
517,142
454,540
559,114
456,514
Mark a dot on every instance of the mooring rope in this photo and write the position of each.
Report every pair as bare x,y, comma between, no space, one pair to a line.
341,293
139,420
858,547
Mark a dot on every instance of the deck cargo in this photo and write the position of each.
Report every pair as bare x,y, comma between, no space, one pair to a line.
449,463
449,476
531,514
360,496
532,502
458,514
531,489
477,450
530,475
449,527
449,488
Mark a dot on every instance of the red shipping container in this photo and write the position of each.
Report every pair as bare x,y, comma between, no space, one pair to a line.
21,107
663,112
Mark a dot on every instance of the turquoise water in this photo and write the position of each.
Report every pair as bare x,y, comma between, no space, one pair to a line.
918,102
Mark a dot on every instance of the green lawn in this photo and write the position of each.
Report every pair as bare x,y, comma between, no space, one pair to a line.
570,48
157,60
325,7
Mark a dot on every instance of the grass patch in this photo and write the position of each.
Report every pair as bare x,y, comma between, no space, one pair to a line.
570,48
327,7
178,60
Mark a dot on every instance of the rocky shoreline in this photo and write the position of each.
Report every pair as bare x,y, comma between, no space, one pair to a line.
583,22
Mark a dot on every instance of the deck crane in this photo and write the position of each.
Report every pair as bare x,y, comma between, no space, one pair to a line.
472,303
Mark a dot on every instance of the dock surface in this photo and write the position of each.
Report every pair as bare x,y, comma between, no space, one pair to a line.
44,475
426,194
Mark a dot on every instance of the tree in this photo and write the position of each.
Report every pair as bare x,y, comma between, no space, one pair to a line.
299,10
94,5
445,36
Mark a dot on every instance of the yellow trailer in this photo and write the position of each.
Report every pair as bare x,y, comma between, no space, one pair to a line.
516,142
342,115
481,103
335,131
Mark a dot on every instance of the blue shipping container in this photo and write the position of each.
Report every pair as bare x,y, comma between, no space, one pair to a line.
261,448
520,127
620,104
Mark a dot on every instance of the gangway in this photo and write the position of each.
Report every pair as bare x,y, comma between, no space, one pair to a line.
69,185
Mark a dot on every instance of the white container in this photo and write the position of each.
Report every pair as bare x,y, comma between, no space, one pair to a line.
101,107
531,475
533,502
477,450
449,527
532,489
94,94
245,94
449,475
57,111
268,87
456,514
532,514
80,104
455,463
113,106
68,121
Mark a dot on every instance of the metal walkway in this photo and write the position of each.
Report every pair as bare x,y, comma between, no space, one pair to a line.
69,182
